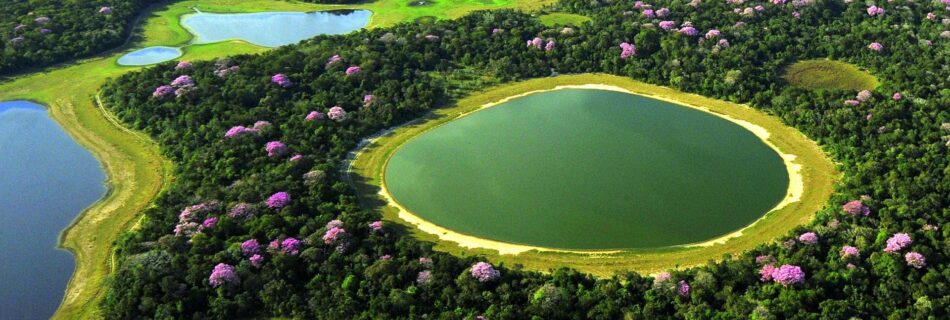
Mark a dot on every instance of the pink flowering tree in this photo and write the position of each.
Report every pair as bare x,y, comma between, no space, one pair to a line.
627,50
163,91
336,114
688,31
314,116
682,288
876,47
849,251
334,235
549,46
667,25
808,238
291,246
278,200
713,33
368,100
897,242
915,260
224,274
250,247
281,80
787,275
484,272
333,60
275,148
875,11
353,70
105,10
856,208
183,65
376,226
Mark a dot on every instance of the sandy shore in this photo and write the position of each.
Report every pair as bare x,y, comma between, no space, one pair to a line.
794,194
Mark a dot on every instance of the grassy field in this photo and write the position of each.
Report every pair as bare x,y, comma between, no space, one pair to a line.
818,174
136,171
829,74
563,19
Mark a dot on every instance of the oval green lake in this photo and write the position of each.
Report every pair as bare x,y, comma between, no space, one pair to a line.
589,170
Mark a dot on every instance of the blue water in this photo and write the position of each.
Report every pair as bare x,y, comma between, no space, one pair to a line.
150,55
46,180
273,29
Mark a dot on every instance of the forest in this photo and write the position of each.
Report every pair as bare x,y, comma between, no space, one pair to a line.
261,221
40,33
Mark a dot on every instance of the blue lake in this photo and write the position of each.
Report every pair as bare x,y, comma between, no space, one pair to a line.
46,180
273,29
150,55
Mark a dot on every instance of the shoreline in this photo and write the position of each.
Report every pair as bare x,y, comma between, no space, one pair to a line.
793,193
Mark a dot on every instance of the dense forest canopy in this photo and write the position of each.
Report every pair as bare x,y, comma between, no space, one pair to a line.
260,221
38,33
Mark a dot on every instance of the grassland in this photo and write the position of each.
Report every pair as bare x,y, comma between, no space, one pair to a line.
136,171
818,175
829,74
563,19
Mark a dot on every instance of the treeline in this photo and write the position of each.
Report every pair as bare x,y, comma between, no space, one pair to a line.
893,155
39,33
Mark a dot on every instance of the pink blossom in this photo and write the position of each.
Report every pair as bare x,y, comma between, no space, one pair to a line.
336,113
627,50
682,288
183,81
223,274
549,46
748,11
856,207
808,238
334,235
667,25
648,13
242,211
105,10
915,260
291,246
851,266
852,102
352,70
638,5
376,225
385,257
333,60
210,222
536,42
897,242
765,274
224,72
796,14
662,12
274,245
182,65
764,259
788,275
281,80
163,91
278,200
863,95
296,158
778,2
256,260
275,148
759,8
314,115
250,247
368,100
484,272
432,38
875,11
336,223
187,229
237,131
41,20
712,33
931,16
689,31
425,262
849,251
723,43
897,96
424,277
661,278
495,31
876,46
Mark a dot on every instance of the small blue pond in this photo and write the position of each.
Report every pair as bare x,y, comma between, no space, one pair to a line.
273,29
46,180
150,55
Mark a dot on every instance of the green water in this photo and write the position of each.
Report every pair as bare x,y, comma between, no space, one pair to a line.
588,169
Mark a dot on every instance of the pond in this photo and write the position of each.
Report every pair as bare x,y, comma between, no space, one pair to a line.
272,29
588,169
150,55
46,180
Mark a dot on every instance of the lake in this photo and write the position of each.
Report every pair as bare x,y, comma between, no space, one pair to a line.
150,55
588,169
46,180
273,29
268,29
